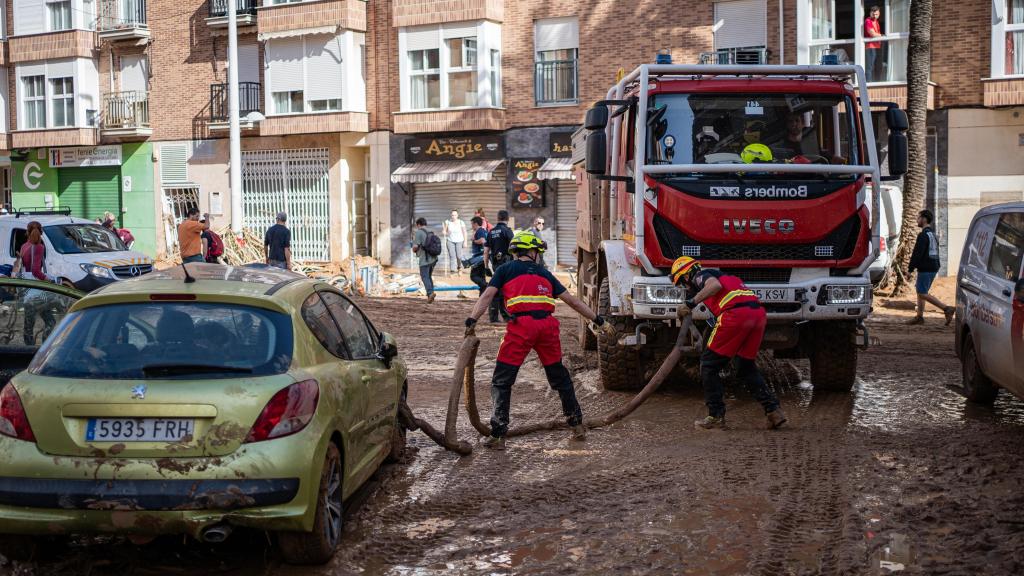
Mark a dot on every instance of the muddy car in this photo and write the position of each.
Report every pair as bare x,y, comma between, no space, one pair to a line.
29,311
194,401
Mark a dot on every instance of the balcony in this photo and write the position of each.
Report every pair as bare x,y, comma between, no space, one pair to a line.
279,19
741,56
1003,91
123,20
126,116
420,12
249,101
218,13
458,120
47,137
556,82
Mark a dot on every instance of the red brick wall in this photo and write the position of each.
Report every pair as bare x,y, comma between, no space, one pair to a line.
961,51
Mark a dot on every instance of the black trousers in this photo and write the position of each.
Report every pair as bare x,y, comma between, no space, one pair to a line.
746,371
478,276
498,304
501,394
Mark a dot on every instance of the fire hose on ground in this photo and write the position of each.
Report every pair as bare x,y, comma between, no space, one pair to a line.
463,379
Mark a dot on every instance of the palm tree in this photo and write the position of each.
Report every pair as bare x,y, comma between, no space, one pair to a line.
919,58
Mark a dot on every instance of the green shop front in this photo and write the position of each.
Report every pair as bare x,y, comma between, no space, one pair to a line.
90,181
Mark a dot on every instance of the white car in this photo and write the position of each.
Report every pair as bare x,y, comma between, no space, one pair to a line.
992,357
892,216
79,252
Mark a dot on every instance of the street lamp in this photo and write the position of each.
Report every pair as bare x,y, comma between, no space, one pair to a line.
234,130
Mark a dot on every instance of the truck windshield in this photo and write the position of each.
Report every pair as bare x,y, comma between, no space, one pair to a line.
83,239
751,129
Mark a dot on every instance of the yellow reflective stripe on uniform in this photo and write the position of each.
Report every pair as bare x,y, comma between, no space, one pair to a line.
714,331
734,294
530,300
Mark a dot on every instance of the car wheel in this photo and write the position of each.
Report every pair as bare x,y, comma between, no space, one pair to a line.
977,387
318,546
398,435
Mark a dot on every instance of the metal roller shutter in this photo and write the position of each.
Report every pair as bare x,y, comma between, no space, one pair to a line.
89,192
741,24
565,221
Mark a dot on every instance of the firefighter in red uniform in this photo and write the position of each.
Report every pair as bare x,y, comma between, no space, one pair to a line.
737,333
530,292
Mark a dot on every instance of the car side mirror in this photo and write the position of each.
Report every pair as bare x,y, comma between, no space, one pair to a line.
388,348
597,152
596,118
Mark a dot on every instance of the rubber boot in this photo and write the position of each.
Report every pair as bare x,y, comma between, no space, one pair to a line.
776,418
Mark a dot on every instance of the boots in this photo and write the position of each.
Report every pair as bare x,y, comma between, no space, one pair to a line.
775,419
710,423
579,432
494,443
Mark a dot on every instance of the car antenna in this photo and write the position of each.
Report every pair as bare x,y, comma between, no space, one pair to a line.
188,277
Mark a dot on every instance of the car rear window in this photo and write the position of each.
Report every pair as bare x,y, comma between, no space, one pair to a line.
168,340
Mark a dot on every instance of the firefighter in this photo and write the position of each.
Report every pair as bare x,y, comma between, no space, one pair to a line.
739,328
529,292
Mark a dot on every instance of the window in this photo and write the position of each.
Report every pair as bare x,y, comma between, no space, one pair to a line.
42,310
34,88
425,76
556,62
1004,259
496,77
288,102
851,30
354,328
60,15
320,323
63,101
1009,39
461,72
332,104
307,74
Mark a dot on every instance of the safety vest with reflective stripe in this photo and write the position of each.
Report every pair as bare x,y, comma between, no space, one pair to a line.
733,292
528,293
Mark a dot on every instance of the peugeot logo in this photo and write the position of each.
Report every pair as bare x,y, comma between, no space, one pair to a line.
139,392
134,271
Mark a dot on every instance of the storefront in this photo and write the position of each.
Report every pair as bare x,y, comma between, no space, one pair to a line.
557,173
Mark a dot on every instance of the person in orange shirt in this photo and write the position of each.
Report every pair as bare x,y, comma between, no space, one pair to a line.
190,236
872,50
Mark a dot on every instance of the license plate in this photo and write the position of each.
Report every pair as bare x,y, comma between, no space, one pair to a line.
773,294
139,430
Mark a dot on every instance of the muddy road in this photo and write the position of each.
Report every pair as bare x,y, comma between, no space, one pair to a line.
902,474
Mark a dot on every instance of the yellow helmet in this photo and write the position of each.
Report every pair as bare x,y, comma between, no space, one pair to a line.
756,152
682,267
526,240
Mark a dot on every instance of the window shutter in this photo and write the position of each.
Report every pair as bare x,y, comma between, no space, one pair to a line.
323,54
248,63
60,68
5,100
133,73
284,61
741,24
421,38
460,30
31,17
557,34
173,163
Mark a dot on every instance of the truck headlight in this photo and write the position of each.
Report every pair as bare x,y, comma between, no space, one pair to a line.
858,294
97,271
657,294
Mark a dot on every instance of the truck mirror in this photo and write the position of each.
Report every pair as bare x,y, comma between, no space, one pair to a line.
897,120
597,118
597,151
897,154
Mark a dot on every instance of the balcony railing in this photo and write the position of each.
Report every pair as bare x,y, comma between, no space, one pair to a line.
248,100
219,8
735,56
121,14
126,110
555,82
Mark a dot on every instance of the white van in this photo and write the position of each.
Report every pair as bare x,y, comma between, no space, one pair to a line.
889,226
79,252
990,265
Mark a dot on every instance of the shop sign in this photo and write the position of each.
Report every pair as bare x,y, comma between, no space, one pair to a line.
527,190
85,156
455,148
561,145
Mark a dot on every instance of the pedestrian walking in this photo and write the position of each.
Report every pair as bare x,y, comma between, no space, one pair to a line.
277,243
487,225
739,327
530,293
427,247
478,266
455,240
190,236
538,230
925,259
213,245
496,253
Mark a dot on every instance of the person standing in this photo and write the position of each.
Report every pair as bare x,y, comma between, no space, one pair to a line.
873,50
190,236
925,259
496,253
427,261
31,265
277,243
478,266
530,293
538,230
213,245
487,225
454,231
739,329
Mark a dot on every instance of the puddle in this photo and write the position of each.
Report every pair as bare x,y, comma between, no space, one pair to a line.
888,403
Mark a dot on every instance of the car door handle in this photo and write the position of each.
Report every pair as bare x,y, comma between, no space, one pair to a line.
970,287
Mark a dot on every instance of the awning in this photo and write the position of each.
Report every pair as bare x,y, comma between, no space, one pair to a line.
297,32
556,169
452,171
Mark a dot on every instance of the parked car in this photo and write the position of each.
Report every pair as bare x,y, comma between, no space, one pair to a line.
248,397
79,252
990,264
889,226
29,311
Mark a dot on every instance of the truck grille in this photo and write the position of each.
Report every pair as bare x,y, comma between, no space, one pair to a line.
126,272
760,275
843,240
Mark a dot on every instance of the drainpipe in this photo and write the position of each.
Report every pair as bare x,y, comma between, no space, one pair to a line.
234,132
782,35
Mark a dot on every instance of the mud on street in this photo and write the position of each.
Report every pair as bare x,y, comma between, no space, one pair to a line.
902,474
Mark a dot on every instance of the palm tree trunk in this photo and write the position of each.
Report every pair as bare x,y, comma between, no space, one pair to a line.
919,57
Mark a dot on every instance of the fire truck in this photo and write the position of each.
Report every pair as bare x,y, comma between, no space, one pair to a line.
767,172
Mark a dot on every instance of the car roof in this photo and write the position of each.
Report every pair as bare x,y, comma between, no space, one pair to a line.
248,282
45,219
1000,209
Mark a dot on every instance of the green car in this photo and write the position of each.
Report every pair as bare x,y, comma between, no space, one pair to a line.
194,402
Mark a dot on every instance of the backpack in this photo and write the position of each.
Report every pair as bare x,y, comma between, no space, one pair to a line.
125,235
432,245
216,245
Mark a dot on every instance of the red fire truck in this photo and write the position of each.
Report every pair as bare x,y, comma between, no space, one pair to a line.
767,172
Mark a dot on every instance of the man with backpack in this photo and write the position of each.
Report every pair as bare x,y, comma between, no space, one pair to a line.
213,245
427,247
496,252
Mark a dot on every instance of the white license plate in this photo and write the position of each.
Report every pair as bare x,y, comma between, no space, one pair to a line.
139,430
773,294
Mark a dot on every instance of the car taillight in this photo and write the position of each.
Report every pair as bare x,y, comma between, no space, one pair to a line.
13,421
881,244
288,412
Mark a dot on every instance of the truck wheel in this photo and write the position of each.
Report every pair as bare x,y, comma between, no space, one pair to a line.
318,546
977,387
834,358
619,366
587,339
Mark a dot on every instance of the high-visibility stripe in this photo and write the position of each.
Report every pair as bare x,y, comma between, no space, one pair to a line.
714,331
530,300
734,294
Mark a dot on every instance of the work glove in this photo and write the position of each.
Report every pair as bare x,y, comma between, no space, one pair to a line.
686,309
601,326
470,326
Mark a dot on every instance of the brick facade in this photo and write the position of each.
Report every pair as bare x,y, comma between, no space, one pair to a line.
348,14
67,44
421,12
